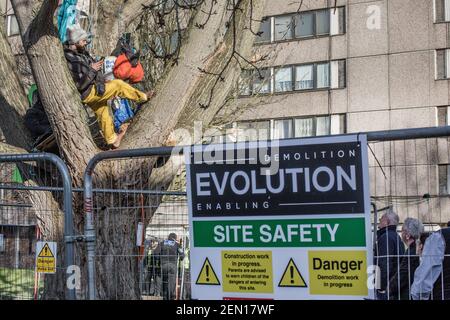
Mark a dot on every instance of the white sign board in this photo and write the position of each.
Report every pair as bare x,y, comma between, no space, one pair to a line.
286,219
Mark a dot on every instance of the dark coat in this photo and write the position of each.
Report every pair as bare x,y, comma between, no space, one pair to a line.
388,253
36,119
84,76
401,282
168,252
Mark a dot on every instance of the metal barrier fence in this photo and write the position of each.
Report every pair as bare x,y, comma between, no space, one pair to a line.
410,179
131,218
31,188
404,172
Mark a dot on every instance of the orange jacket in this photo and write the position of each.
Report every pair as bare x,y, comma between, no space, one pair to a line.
125,71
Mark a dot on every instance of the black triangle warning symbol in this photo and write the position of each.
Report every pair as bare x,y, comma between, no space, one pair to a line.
46,252
292,277
207,276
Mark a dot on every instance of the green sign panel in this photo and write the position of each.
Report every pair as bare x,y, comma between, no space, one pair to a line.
341,232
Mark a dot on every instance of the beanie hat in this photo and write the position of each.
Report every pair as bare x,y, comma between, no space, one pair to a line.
75,34
172,236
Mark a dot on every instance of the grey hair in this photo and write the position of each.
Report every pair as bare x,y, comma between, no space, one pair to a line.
392,217
413,227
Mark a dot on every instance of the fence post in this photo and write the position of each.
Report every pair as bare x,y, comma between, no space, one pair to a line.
67,196
89,227
375,222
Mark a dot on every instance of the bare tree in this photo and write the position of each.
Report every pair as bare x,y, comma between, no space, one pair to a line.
212,48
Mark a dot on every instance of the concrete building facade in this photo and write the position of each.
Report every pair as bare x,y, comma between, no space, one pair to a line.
362,66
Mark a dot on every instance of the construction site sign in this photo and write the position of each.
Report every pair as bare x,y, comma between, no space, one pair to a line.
46,257
266,215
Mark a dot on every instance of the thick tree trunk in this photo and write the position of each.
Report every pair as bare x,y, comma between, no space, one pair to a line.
13,102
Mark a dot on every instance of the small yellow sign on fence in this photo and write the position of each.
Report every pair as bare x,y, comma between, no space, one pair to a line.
46,257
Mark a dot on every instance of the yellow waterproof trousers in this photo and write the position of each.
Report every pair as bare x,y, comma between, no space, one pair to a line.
114,88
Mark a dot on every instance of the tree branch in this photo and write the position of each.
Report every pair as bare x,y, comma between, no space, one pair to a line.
9,149
133,9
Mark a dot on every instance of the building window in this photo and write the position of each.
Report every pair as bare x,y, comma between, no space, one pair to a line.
442,10
304,26
443,116
12,27
282,129
225,135
301,25
261,81
265,30
442,64
283,28
338,69
319,126
444,179
253,131
165,45
338,124
283,79
304,77
321,75
304,127
244,86
290,128
254,82
323,22
2,243
337,21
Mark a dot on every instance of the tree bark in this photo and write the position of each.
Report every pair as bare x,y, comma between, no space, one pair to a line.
13,102
110,21
176,106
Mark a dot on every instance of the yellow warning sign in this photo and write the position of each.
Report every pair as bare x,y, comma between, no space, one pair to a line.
338,273
46,258
247,271
46,252
292,277
207,275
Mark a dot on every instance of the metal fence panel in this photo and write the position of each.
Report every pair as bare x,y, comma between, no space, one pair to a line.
31,188
409,178
409,173
134,215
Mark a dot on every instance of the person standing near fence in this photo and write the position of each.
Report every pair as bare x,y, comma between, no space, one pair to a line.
432,277
169,251
400,283
153,272
388,251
